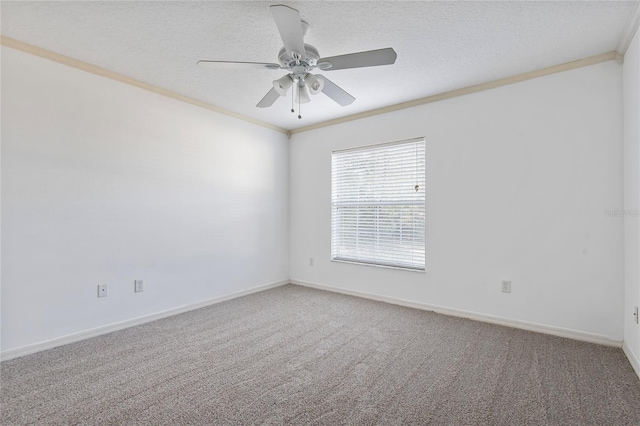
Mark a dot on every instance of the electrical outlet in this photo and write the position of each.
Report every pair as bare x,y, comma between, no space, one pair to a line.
506,286
102,290
138,286
311,261
635,313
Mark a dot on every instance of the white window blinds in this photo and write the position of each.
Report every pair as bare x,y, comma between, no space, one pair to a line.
378,204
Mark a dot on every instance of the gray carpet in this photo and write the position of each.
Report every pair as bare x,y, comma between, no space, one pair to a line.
300,356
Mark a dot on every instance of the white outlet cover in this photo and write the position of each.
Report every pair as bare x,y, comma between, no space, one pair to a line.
506,286
138,286
103,290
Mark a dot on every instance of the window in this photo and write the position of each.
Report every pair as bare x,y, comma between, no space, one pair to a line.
378,203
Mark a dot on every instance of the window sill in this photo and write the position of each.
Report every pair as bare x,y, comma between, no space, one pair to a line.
377,265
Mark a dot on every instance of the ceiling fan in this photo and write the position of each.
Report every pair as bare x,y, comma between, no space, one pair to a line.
299,59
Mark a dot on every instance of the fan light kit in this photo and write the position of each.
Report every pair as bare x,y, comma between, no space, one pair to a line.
299,59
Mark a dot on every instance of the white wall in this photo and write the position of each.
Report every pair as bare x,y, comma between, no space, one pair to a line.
631,106
103,182
106,183
518,179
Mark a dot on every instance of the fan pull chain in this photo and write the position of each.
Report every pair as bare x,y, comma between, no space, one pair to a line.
292,95
299,106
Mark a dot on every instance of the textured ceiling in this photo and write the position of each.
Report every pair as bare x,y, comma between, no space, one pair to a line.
441,46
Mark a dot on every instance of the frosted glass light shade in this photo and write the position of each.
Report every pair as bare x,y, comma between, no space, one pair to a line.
282,84
303,95
314,84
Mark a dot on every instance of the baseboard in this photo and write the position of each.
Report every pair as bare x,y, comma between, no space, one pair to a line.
633,360
508,322
75,337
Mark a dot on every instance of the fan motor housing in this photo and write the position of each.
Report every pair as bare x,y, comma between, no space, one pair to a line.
308,61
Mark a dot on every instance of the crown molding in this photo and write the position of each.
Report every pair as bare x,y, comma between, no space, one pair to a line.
592,60
93,69
75,63
630,29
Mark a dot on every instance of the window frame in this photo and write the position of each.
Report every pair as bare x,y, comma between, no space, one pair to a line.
331,206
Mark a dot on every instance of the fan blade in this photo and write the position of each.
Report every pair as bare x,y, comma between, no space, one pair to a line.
290,28
336,93
370,58
228,65
268,99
